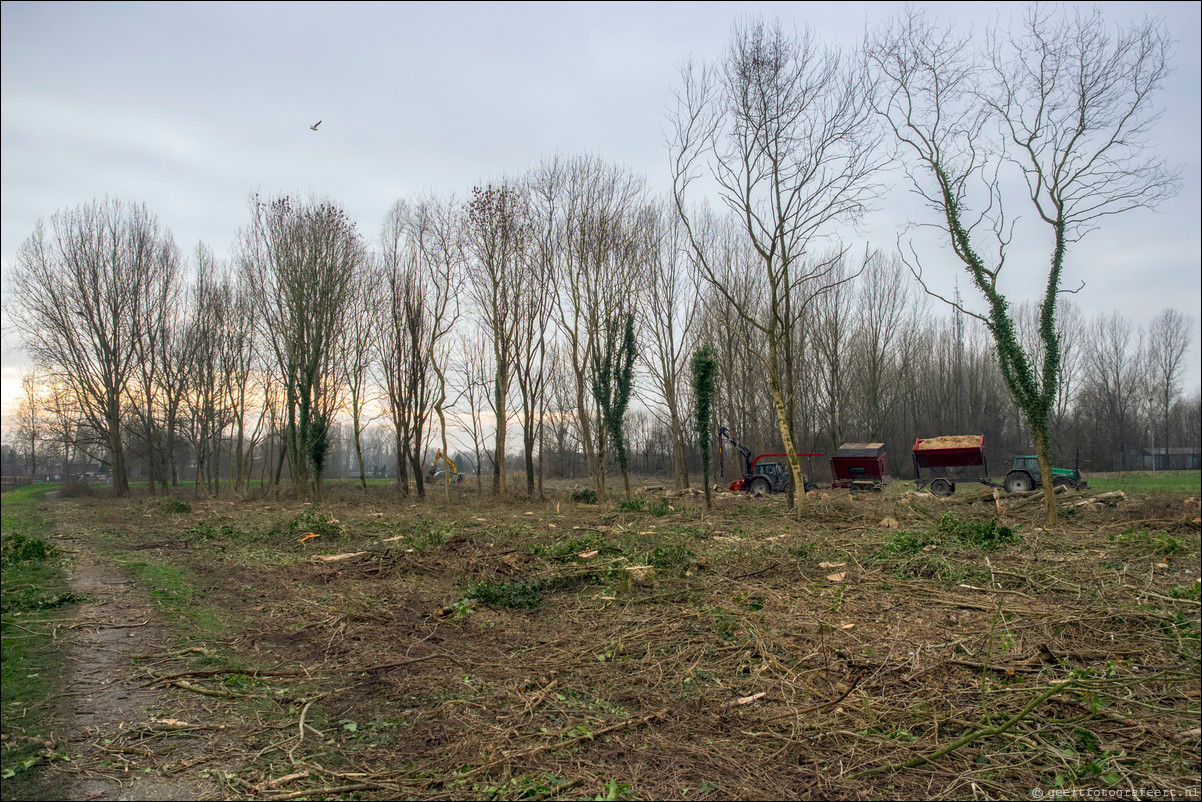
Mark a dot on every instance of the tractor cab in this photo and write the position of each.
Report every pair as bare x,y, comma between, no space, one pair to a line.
769,473
777,474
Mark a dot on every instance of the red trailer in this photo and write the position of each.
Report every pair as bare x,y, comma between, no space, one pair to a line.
859,466
945,458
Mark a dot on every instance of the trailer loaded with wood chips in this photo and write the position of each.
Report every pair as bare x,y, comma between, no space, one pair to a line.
950,459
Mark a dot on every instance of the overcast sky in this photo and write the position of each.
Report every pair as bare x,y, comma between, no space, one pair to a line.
189,108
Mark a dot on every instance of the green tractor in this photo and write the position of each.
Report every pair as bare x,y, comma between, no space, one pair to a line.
1024,476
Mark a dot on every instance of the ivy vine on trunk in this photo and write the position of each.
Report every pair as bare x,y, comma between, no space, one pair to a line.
705,379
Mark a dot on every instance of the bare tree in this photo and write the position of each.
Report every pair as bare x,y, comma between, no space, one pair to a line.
30,418
594,272
244,371
62,424
204,396
299,258
444,253
743,394
159,297
358,347
476,378
78,288
537,296
1166,347
669,314
783,128
499,236
403,363
173,384
1073,109
1114,380
832,331
567,441
881,347
423,267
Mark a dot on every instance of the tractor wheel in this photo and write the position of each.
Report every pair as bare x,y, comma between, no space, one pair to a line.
1019,482
942,487
759,487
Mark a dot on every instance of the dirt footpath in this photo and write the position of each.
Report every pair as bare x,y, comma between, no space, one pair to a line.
125,740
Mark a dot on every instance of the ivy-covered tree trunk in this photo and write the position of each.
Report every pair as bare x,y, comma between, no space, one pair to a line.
613,382
705,372
1033,397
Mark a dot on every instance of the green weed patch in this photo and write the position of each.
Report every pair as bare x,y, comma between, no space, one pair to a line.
523,594
174,506
950,532
584,496
20,548
1160,543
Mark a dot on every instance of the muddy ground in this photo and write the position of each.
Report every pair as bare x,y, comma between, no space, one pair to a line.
886,646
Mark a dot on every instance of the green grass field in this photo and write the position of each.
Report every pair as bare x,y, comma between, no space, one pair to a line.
1188,482
32,671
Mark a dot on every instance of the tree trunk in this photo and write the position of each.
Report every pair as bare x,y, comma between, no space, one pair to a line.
1042,452
498,466
798,499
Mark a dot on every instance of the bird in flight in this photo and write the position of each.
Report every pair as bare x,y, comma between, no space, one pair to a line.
313,127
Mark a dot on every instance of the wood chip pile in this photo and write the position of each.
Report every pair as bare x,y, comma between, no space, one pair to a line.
950,441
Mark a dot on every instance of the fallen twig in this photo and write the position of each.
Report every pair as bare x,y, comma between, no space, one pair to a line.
337,789
165,678
571,741
175,653
188,686
972,736
855,681
1111,715
277,782
300,728
403,663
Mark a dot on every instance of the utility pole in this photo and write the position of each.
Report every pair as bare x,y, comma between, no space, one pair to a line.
959,356
1152,432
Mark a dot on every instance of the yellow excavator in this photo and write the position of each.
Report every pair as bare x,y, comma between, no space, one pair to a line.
432,474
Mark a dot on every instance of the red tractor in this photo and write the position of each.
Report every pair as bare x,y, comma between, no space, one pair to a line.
767,473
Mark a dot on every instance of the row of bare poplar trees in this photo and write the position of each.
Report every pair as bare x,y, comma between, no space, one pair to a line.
307,321
463,314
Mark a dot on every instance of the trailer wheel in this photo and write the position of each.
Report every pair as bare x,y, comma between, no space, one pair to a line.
942,487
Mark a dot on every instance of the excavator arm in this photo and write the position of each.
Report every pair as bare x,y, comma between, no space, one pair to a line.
449,462
748,457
